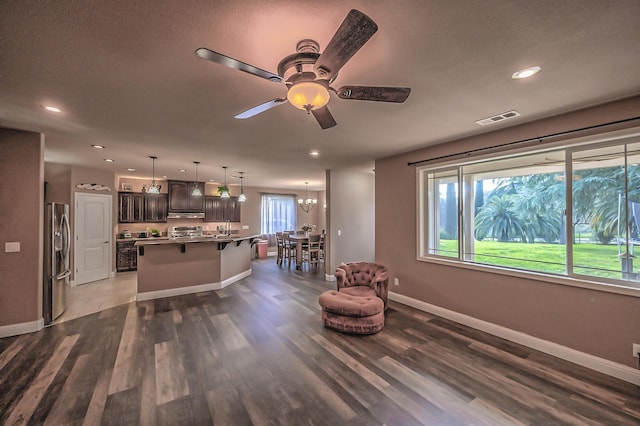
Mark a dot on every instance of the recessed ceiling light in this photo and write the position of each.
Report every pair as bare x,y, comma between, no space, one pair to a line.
314,153
165,177
52,109
211,180
525,73
131,169
109,160
182,170
99,146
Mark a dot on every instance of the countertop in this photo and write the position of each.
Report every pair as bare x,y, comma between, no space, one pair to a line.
188,240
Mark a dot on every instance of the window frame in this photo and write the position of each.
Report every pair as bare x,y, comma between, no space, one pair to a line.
569,146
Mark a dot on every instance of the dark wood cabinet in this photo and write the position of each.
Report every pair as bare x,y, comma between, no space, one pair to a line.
180,198
130,207
126,256
156,207
232,209
217,209
135,207
213,210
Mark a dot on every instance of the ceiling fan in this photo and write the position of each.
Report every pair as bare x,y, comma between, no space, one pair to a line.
308,74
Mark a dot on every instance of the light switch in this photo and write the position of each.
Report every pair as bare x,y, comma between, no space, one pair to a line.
245,226
12,247
339,232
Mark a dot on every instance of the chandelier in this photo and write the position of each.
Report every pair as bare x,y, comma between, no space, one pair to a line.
307,204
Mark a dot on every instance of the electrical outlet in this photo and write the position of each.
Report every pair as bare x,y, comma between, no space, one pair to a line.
396,281
636,350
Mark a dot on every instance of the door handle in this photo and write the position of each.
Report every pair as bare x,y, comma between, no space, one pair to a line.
63,275
106,242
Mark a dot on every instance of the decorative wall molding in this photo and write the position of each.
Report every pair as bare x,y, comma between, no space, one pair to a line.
93,187
601,365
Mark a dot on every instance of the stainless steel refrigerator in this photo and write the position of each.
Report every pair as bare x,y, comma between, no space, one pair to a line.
57,240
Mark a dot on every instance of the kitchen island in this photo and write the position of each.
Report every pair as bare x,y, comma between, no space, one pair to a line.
175,266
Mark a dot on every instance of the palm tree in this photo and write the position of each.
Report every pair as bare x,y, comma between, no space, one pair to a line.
499,219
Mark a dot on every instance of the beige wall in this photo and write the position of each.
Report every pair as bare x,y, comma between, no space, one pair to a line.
57,179
350,210
21,220
251,208
594,322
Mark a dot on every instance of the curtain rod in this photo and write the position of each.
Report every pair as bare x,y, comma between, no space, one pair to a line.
538,139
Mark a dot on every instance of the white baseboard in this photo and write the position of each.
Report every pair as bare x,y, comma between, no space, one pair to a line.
21,328
158,294
235,278
614,369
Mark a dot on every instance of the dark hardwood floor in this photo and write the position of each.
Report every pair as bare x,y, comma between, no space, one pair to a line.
257,353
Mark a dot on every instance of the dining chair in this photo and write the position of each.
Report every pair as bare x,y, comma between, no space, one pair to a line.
311,253
288,247
280,247
322,241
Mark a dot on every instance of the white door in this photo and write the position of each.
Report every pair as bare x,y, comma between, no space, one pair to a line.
92,253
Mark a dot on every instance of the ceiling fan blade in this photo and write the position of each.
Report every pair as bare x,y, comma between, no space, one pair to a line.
368,93
356,29
227,61
324,117
260,108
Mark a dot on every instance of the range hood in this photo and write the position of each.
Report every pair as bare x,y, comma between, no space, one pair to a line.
185,215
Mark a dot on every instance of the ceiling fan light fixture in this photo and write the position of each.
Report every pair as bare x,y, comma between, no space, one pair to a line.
308,95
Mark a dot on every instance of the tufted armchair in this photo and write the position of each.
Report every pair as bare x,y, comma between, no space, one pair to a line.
363,279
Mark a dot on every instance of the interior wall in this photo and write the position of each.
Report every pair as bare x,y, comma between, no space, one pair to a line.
590,321
57,179
350,213
22,221
252,207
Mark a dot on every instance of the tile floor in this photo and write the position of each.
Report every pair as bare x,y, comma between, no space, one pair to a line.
85,299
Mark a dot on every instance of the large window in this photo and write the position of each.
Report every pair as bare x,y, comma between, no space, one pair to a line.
511,212
278,213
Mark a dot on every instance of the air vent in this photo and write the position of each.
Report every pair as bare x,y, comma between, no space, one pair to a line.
497,118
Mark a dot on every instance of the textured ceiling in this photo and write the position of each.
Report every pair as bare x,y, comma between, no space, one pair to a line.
126,76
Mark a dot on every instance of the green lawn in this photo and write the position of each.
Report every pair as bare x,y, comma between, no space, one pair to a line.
589,259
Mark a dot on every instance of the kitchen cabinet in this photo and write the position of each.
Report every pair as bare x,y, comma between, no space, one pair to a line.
130,207
213,210
180,198
126,256
156,207
232,209
217,209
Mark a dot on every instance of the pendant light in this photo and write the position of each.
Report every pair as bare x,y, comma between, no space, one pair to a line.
196,188
225,191
307,204
241,198
153,189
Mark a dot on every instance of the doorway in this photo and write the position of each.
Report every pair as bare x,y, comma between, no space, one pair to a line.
92,248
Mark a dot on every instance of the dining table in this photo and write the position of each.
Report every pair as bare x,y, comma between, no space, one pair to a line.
300,240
